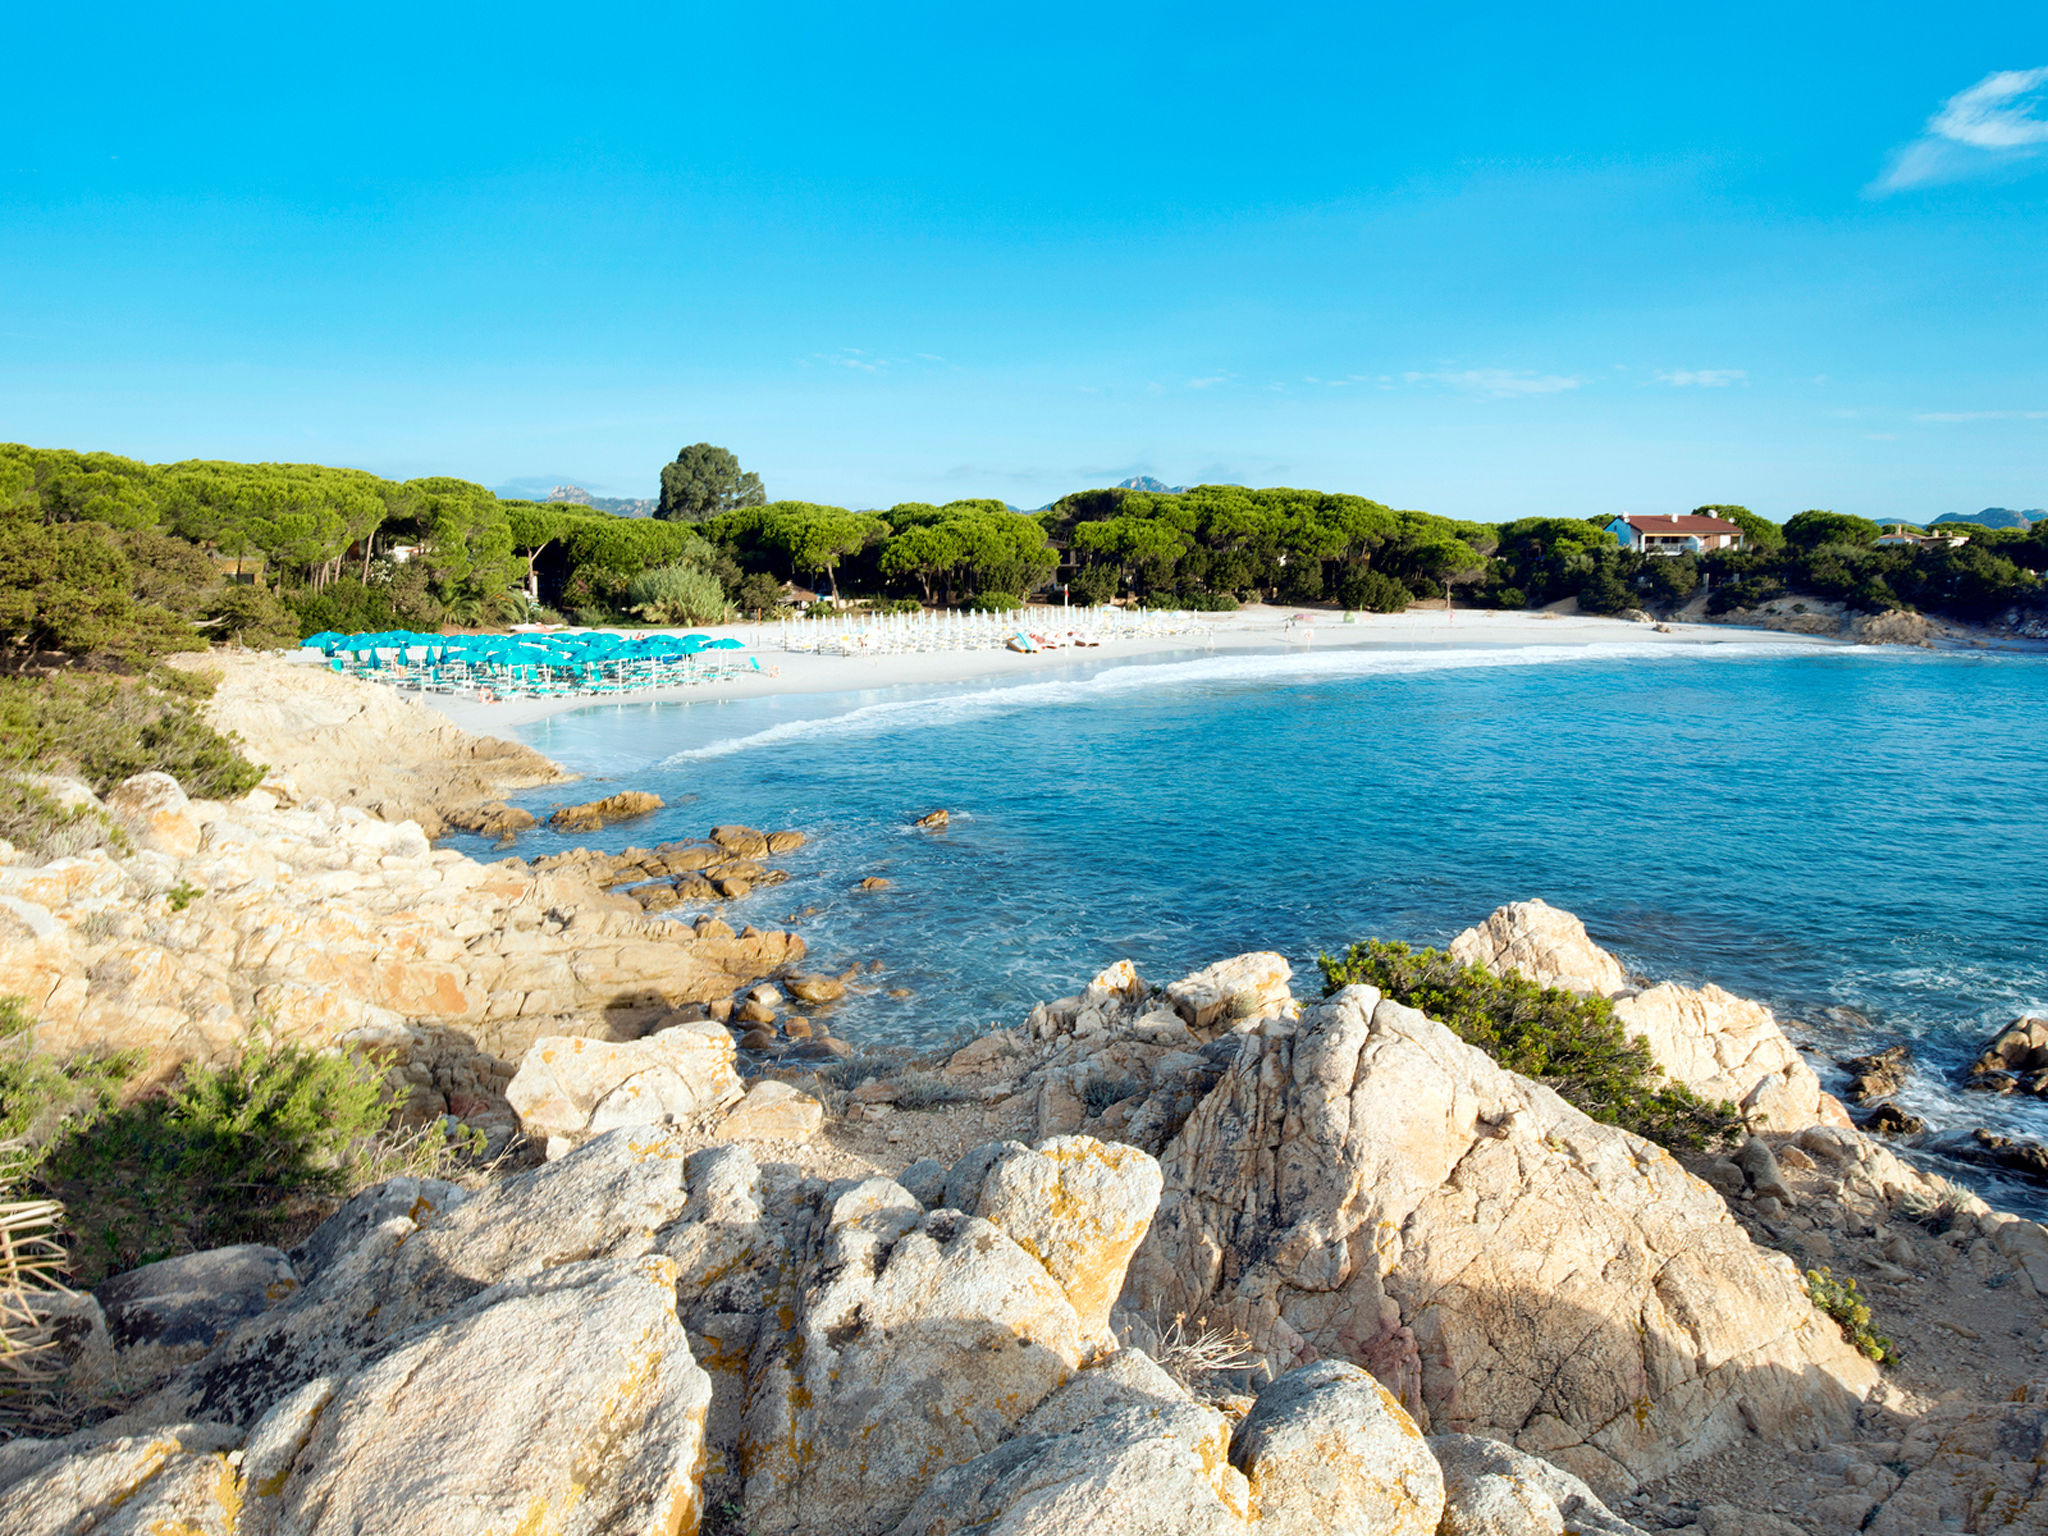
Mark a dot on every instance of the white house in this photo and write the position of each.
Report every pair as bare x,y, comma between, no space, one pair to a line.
1900,536
1674,533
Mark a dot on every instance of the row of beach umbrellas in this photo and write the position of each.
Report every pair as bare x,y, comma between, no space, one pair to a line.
594,661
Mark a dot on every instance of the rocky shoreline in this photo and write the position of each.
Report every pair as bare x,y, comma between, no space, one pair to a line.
334,739
1201,1257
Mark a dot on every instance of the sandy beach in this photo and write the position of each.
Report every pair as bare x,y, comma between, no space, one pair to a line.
1256,628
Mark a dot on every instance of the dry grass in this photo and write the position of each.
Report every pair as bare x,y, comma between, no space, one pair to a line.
1196,1357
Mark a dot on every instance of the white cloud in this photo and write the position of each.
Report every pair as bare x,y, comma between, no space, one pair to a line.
1703,378
1998,124
1497,383
1951,416
1214,378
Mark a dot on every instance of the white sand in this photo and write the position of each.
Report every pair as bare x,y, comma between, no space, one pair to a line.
1254,628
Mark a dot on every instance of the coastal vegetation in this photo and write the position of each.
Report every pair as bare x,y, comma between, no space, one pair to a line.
241,1152
106,556
1569,1043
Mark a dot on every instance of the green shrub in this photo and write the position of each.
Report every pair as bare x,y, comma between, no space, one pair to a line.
1374,592
992,602
34,821
1566,1042
1842,1301
104,730
395,597
252,617
758,592
280,1117
38,1093
1095,584
246,1153
678,594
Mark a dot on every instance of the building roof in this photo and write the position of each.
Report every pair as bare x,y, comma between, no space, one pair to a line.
1676,522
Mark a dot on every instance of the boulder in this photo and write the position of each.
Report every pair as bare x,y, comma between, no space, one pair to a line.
916,1342
1246,987
594,814
935,822
564,1402
1080,1207
906,1341
2014,1154
741,842
1548,946
1327,1451
1759,1167
1491,1489
569,1088
1369,1188
492,818
1122,977
2016,1058
193,1300
1138,1471
817,988
1878,1075
1718,1045
604,1200
173,1479
1129,1378
785,842
1887,1119
417,1200
1726,1047
158,816
774,1111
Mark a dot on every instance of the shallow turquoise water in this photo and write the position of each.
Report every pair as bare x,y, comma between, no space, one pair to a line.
1857,830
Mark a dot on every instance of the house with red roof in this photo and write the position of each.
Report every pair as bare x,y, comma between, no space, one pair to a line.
1674,533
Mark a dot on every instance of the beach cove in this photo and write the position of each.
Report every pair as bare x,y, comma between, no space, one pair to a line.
1008,1094
1784,816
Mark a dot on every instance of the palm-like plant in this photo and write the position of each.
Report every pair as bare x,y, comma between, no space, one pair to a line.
31,1258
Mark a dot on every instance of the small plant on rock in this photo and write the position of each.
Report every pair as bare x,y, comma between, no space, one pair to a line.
435,1150
1103,1092
919,1088
1842,1301
1195,1357
34,821
1936,1204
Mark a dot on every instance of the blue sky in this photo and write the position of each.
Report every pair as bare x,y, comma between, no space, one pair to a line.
1487,260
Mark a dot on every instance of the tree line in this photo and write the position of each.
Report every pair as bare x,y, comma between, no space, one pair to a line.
95,546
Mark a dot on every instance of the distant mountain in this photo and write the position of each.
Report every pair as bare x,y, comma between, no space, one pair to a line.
642,507
1997,517
1147,483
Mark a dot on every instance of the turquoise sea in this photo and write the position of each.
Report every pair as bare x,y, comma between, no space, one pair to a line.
1858,837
